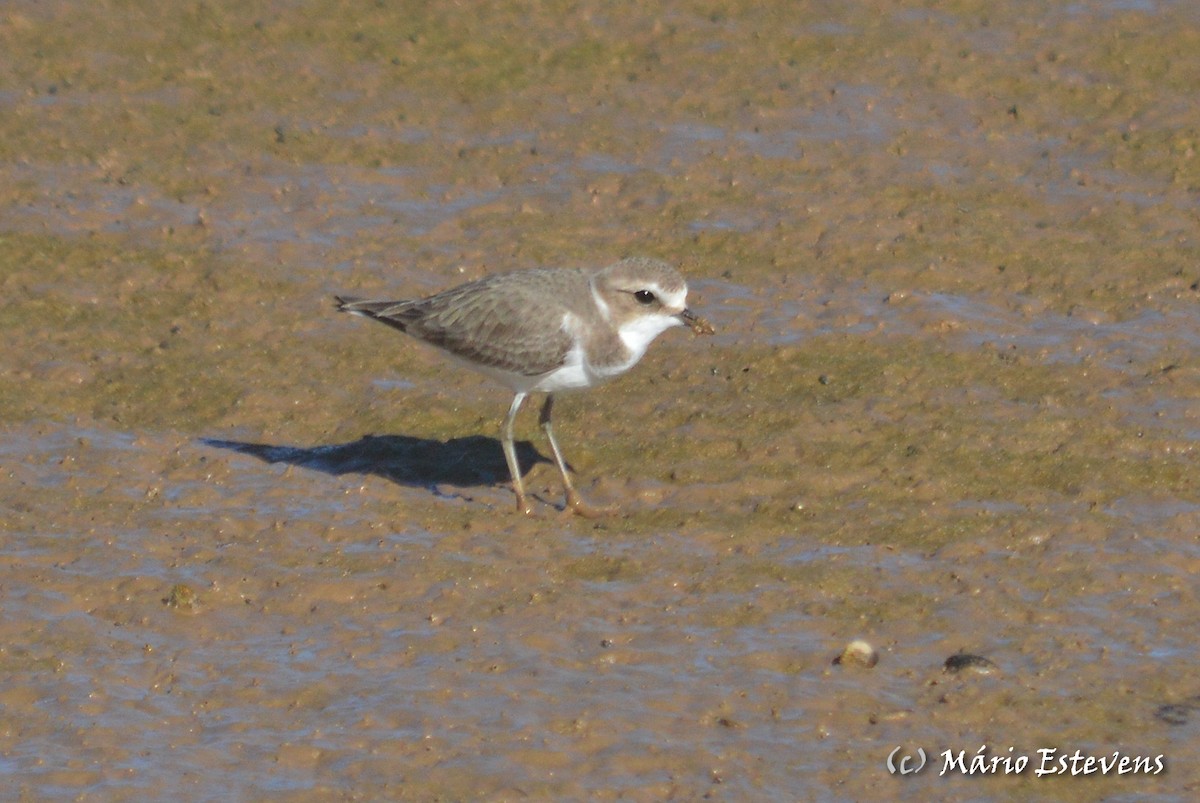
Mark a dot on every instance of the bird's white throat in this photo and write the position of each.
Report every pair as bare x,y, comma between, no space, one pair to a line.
638,333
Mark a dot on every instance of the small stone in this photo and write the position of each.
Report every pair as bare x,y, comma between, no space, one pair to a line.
1179,713
182,597
966,663
857,653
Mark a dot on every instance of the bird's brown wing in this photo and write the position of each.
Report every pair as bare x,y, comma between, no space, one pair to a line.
513,321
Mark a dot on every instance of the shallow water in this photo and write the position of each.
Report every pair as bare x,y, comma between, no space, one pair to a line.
259,550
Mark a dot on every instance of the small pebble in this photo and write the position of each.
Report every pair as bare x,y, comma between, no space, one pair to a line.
1179,713
183,597
963,662
857,653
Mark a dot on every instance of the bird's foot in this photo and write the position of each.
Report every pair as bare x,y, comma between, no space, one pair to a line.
577,506
524,506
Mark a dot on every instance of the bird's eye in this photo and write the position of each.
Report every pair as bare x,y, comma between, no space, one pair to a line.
644,297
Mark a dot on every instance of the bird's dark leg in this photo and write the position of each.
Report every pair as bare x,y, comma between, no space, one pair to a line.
575,503
510,455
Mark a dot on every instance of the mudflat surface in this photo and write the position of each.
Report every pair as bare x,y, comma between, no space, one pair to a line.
255,549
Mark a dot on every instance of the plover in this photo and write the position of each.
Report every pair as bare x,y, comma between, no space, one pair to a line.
545,331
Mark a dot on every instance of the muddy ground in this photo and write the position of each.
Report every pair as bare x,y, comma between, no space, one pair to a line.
257,550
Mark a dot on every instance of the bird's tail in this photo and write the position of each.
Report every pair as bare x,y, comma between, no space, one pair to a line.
381,311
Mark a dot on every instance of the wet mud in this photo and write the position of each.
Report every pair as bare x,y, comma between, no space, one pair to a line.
256,550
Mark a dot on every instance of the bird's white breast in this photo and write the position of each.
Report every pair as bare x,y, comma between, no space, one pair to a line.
572,374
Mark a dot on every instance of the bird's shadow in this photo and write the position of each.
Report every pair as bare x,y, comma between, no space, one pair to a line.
473,461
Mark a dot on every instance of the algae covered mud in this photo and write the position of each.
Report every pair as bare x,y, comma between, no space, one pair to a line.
951,256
